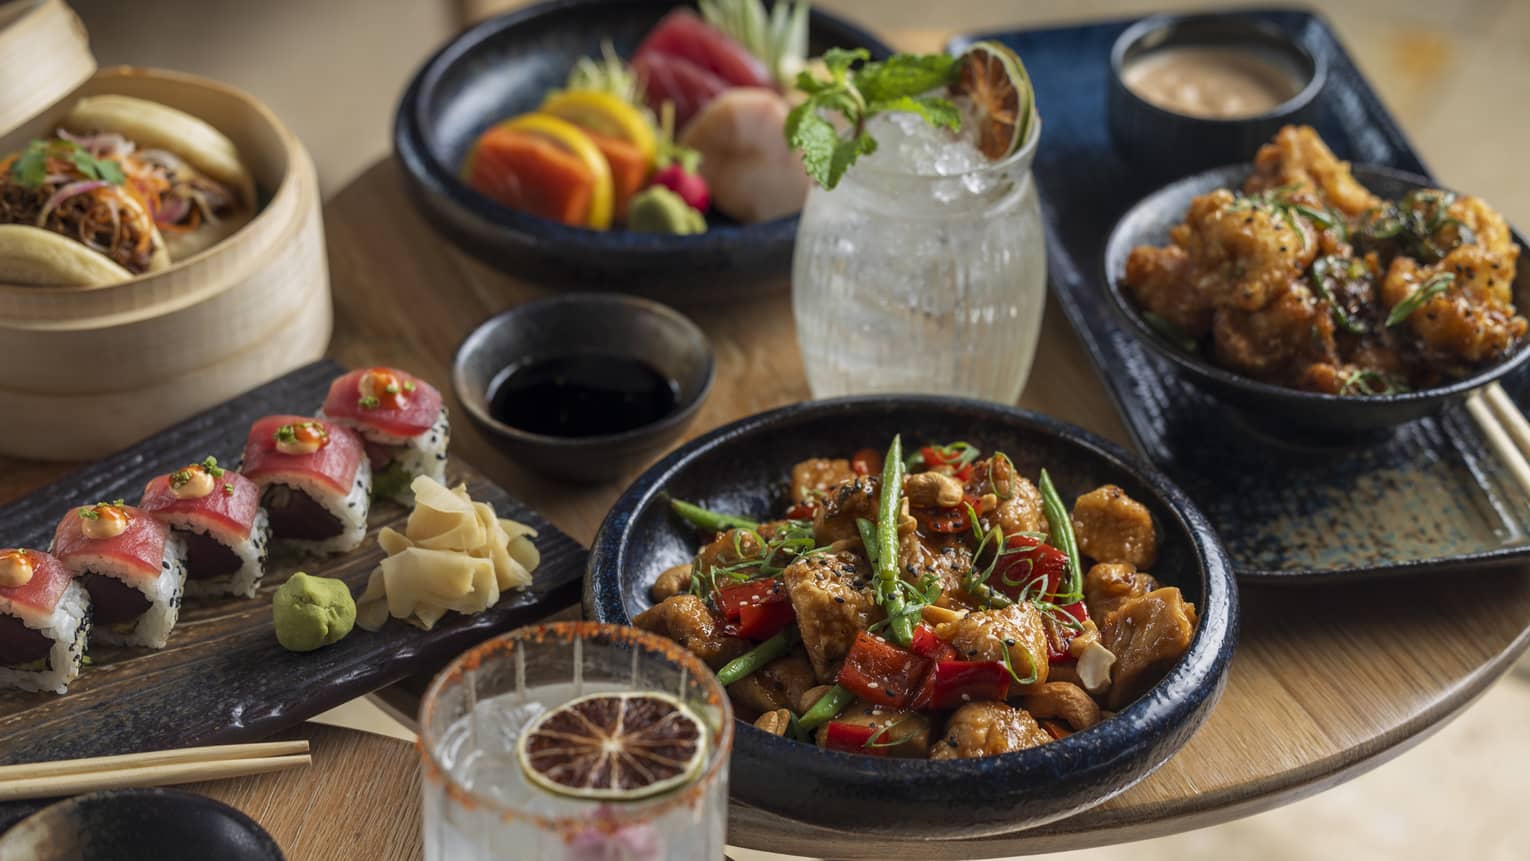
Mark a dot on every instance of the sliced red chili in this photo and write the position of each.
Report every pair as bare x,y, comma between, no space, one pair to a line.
879,672
851,738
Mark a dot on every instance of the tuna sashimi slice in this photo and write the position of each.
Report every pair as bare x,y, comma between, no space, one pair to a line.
333,466
684,35
408,414
140,549
227,513
673,79
36,599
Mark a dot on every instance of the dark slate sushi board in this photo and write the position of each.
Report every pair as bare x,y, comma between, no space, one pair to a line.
223,678
1431,497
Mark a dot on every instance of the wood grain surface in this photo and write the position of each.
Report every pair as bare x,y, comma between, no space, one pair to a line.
1326,682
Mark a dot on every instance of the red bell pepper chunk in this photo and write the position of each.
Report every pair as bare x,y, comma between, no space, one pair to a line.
1024,561
867,461
879,672
757,609
927,644
964,474
953,683
851,738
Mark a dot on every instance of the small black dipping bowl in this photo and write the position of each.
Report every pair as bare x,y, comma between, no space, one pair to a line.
1298,416
585,324
743,468
504,67
1168,143
139,825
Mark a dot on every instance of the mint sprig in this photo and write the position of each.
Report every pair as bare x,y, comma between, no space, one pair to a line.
900,83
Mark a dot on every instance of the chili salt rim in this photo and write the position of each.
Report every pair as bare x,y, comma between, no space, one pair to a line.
644,810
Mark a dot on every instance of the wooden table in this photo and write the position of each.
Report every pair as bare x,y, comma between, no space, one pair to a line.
1326,683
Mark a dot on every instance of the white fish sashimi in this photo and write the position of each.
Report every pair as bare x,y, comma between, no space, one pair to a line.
751,172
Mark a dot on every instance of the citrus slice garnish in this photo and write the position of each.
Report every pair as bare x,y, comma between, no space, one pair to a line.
568,137
992,77
604,114
614,746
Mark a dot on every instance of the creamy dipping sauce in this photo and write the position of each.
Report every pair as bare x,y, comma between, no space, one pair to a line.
1218,83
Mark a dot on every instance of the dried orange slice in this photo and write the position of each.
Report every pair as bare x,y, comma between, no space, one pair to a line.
614,746
992,77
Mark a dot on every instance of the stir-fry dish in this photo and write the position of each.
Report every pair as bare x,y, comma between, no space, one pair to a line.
954,617
1306,279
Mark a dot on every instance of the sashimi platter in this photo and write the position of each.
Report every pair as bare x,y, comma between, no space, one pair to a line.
313,534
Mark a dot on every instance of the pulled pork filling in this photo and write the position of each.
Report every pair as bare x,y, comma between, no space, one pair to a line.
102,220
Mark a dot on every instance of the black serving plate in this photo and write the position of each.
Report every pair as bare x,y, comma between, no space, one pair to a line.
139,825
1428,497
744,468
1289,414
504,67
223,678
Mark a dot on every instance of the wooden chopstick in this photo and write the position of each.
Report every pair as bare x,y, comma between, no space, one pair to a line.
155,768
1506,429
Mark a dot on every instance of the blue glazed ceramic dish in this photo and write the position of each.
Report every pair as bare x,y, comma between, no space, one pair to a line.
1431,497
503,67
149,824
743,468
1276,409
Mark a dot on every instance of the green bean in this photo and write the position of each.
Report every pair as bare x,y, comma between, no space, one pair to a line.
1063,539
709,521
827,708
889,595
868,538
757,657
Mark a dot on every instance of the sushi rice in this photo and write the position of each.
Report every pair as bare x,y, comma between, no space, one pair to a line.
69,629
152,629
351,510
251,552
422,454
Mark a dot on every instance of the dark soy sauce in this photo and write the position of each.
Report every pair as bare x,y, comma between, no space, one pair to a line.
575,396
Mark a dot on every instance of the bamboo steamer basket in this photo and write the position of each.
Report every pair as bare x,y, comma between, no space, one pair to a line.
87,371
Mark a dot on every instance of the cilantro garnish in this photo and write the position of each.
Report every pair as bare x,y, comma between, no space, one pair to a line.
899,83
31,168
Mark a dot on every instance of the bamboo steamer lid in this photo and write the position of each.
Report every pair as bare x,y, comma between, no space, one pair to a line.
44,56
86,371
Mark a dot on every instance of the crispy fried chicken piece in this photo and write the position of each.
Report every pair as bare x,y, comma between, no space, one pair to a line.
1473,321
1297,156
688,621
834,598
988,729
1112,527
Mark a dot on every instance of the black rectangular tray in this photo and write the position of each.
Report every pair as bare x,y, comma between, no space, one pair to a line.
223,677
1430,497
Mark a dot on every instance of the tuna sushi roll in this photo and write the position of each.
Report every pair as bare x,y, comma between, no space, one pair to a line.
216,514
314,479
44,622
403,422
131,566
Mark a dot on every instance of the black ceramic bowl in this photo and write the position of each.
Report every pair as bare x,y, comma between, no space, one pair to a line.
1293,414
504,67
1168,143
139,825
585,324
744,468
